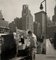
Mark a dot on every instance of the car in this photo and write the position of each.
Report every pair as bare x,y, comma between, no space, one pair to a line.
7,46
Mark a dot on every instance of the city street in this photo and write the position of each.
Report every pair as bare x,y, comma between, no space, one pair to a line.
50,53
28,29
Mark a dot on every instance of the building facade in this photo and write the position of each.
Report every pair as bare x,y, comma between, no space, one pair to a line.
40,18
54,16
27,18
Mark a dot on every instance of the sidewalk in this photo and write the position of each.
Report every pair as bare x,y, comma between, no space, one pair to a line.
50,51
44,57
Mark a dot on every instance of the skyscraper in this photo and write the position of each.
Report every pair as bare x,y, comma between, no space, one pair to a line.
40,18
25,22
27,18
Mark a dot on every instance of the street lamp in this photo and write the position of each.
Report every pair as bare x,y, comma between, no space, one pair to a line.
41,7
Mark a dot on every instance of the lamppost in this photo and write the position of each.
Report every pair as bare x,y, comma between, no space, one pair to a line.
41,7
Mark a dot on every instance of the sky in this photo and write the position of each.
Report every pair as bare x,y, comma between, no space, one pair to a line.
13,8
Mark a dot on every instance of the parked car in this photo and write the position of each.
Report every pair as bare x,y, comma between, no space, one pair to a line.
8,46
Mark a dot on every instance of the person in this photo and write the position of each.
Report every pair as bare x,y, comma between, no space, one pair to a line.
22,39
42,48
33,44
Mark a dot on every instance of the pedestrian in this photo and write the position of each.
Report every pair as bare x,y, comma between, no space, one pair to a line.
42,47
33,44
40,40
22,39
38,45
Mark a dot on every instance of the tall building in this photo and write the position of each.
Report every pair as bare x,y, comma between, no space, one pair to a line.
23,23
36,28
27,18
40,18
54,16
4,26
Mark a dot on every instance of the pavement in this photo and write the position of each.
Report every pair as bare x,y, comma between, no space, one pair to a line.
50,53
39,57
44,57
